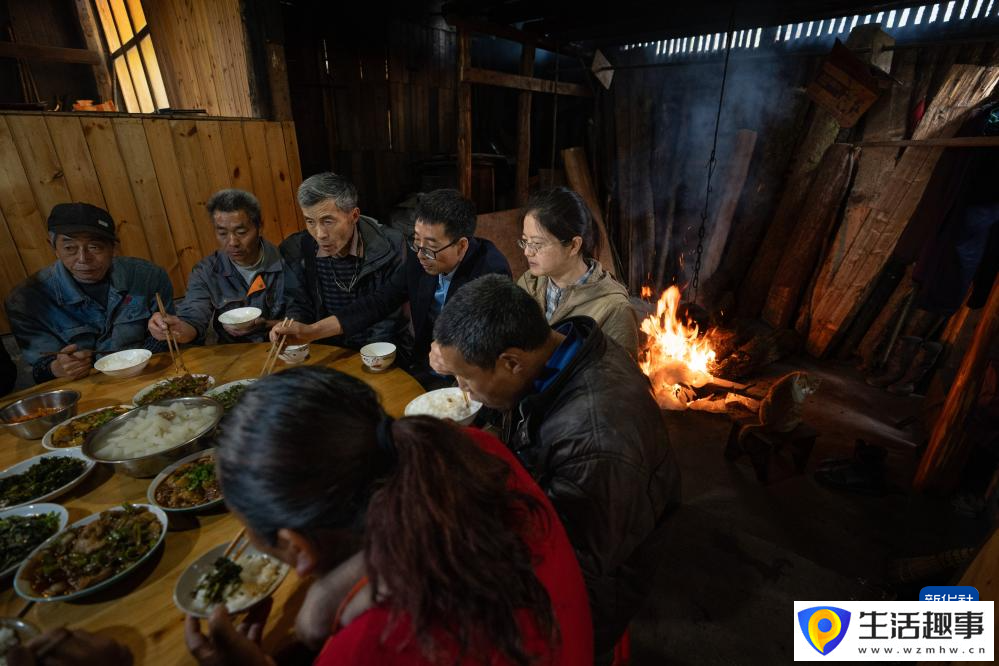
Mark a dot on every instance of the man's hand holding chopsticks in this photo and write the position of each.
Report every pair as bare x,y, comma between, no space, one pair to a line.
73,362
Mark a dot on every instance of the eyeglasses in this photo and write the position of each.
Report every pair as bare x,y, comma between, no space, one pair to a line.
537,247
426,252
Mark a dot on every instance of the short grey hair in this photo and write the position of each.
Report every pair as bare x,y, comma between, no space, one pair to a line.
233,200
327,185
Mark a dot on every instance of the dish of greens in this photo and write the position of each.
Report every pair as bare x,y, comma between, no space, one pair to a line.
48,474
229,394
21,534
175,387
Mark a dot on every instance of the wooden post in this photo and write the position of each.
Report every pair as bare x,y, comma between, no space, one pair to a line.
277,77
819,211
731,190
524,126
949,447
464,116
92,37
577,173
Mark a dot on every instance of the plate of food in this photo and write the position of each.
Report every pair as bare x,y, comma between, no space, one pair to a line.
174,387
190,484
239,583
446,403
229,393
73,433
43,477
91,554
14,632
22,529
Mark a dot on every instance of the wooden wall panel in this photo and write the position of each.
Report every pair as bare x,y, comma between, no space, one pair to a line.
153,174
201,47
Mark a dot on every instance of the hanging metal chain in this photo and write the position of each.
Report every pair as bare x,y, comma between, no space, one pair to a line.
712,161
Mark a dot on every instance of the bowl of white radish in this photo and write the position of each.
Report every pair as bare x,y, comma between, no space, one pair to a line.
146,440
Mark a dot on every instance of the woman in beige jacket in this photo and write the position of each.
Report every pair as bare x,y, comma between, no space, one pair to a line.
559,241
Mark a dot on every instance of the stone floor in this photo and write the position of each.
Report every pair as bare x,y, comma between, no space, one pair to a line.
742,552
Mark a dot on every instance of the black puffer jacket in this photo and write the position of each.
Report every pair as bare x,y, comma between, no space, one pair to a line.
596,443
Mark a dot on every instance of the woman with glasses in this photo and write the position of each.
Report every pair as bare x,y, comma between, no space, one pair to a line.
560,240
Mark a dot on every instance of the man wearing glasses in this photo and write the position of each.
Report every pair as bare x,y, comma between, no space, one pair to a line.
443,254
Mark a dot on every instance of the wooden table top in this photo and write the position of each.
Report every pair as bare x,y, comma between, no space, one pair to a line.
139,610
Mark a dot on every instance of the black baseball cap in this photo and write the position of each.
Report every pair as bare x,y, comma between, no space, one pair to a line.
71,218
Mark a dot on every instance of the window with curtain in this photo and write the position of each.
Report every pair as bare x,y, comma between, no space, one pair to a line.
132,55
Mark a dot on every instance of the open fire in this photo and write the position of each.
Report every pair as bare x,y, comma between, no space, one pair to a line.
676,357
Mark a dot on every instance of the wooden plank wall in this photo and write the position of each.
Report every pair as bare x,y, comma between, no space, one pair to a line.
201,46
152,173
385,100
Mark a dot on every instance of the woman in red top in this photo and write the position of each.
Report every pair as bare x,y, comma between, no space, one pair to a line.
465,559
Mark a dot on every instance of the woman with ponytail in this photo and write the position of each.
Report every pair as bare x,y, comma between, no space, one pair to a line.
463,558
560,241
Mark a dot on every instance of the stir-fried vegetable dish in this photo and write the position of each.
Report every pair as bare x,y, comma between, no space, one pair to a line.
83,556
43,477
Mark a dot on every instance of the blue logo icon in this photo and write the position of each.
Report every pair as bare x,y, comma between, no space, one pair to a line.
824,627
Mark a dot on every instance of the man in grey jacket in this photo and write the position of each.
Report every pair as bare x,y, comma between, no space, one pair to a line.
246,271
342,257
583,420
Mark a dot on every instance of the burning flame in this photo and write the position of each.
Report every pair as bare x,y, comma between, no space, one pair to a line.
675,358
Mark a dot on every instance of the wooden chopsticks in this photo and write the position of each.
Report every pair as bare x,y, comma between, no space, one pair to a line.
237,546
172,346
275,351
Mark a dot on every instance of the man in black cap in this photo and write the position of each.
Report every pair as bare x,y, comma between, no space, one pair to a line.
89,302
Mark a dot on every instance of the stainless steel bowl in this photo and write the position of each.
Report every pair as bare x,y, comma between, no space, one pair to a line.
65,399
151,465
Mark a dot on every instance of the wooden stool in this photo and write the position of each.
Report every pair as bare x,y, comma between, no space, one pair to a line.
760,445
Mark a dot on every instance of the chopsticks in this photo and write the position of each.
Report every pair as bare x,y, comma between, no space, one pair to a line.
238,545
275,351
172,346
464,394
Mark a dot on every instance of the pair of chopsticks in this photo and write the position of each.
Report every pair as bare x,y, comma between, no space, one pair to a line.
238,545
275,351
172,346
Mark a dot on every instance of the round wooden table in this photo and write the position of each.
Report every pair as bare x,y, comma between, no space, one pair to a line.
139,610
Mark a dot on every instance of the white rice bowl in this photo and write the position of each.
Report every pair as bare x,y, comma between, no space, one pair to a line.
446,403
259,576
157,429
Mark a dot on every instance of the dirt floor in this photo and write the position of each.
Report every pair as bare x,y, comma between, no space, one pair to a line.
741,552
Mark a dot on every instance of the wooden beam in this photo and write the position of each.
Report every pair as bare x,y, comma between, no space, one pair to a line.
731,192
515,35
524,127
277,77
490,78
464,116
92,37
577,173
49,53
949,444
953,142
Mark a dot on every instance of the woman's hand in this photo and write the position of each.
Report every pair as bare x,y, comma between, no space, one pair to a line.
226,645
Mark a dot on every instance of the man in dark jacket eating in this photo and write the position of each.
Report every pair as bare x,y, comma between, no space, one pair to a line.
583,420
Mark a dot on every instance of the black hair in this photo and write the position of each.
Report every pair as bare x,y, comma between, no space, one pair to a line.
310,448
232,200
563,213
449,208
488,316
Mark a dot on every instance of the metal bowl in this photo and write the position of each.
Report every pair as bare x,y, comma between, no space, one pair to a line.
153,464
65,399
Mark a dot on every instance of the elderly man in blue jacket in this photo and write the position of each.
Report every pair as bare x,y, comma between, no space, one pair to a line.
89,301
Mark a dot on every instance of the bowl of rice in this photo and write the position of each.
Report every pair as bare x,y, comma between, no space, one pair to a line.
213,580
144,441
126,363
445,403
